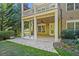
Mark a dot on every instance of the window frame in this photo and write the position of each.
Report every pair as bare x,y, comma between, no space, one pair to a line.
69,26
41,27
28,24
75,6
77,25
70,10
74,21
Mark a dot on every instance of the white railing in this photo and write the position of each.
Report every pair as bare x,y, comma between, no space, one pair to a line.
45,8
28,12
40,9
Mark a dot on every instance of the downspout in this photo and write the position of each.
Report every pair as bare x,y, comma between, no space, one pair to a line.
61,20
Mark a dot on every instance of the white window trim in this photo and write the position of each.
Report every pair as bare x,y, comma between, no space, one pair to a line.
70,10
42,25
75,8
66,7
72,20
69,21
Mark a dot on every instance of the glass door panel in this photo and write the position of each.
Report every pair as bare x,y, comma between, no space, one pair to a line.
26,28
51,29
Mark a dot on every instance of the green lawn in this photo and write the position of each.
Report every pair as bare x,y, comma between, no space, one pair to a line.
13,49
63,52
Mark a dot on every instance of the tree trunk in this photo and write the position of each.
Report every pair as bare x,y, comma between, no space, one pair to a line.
2,22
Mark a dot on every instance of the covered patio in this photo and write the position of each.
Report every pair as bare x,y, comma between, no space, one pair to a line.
46,45
41,25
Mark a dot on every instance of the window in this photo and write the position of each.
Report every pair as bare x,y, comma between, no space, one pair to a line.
26,24
26,28
43,9
73,24
77,25
38,10
70,6
41,27
70,25
76,5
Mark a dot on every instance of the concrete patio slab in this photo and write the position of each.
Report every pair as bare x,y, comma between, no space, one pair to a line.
40,44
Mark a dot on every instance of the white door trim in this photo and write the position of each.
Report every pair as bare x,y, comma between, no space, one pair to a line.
50,29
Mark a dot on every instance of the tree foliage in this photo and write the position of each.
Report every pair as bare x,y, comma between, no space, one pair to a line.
10,16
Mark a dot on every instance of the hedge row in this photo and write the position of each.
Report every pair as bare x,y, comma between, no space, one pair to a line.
6,34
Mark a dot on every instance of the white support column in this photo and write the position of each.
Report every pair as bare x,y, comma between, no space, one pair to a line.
35,25
35,28
22,28
22,22
56,24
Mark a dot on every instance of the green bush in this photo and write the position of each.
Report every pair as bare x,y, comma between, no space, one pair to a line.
70,34
77,33
6,34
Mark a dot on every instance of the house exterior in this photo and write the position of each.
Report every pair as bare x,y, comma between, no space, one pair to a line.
40,20
50,19
70,15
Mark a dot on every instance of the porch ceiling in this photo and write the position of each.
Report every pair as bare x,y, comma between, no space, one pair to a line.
46,20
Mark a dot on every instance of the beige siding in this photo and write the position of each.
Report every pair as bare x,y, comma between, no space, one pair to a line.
68,15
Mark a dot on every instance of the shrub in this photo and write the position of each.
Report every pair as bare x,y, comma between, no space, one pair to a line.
70,34
6,34
77,46
77,33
